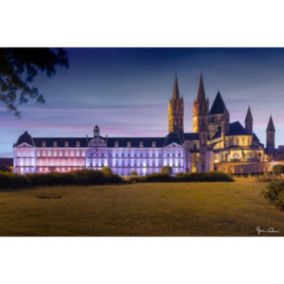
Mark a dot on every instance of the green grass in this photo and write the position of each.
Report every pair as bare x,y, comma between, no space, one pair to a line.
157,209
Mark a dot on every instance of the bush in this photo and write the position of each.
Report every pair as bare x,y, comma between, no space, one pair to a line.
205,177
275,194
11,180
158,178
84,177
166,170
107,171
133,174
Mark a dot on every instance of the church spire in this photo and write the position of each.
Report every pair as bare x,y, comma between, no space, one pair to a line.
270,137
200,107
270,125
175,95
175,110
249,121
249,115
200,97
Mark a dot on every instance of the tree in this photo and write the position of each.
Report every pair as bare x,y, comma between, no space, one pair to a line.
19,67
278,169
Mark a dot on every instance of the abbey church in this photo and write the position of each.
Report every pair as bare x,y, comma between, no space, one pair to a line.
215,144
219,144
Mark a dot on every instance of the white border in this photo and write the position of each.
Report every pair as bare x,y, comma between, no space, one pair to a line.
145,23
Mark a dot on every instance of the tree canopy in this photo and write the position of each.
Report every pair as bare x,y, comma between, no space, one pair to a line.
19,67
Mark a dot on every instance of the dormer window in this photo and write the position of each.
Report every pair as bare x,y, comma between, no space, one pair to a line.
141,144
66,144
78,144
43,144
128,144
153,144
116,144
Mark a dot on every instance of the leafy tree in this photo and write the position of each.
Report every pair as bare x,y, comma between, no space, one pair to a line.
19,67
278,169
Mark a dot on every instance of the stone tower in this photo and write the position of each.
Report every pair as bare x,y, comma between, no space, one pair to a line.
200,108
249,121
175,111
270,137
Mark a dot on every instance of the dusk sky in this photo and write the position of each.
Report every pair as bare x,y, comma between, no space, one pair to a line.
126,92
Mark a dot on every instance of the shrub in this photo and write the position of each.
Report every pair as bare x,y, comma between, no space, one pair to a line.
204,177
84,177
278,169
275,194
158,178
166,170
134,174
107,171
11,180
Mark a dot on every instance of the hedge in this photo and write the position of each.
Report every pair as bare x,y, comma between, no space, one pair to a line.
84,177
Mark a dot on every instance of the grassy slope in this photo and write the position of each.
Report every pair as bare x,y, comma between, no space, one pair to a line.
181,209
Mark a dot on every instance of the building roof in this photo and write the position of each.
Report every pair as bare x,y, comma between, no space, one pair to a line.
135,142
235,128
25,138
218,105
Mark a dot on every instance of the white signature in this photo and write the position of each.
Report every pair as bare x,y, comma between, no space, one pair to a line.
270,230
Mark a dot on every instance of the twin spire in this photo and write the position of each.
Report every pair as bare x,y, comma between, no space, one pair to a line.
201,91
176,94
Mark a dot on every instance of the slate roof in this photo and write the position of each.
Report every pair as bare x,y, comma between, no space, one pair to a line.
25,138
110,141
235,128
218,105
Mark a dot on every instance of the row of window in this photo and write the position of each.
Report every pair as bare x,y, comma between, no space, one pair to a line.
116,144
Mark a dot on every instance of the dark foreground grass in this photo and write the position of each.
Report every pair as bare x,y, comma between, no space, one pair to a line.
157,209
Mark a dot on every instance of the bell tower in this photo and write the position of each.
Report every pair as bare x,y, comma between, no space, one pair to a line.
175,111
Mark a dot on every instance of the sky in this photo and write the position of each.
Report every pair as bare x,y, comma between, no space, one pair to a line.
126,91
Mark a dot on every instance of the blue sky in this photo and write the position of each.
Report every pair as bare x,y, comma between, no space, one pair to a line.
126,91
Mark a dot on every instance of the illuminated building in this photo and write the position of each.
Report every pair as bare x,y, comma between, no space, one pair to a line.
214,144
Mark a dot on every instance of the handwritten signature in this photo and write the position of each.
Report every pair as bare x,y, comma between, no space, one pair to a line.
270,230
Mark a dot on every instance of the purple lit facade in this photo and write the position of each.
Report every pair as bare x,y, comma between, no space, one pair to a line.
122,155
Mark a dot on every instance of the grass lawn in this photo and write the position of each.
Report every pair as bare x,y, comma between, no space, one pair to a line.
152,209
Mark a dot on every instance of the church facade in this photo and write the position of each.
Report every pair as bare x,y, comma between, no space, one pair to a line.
215,144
